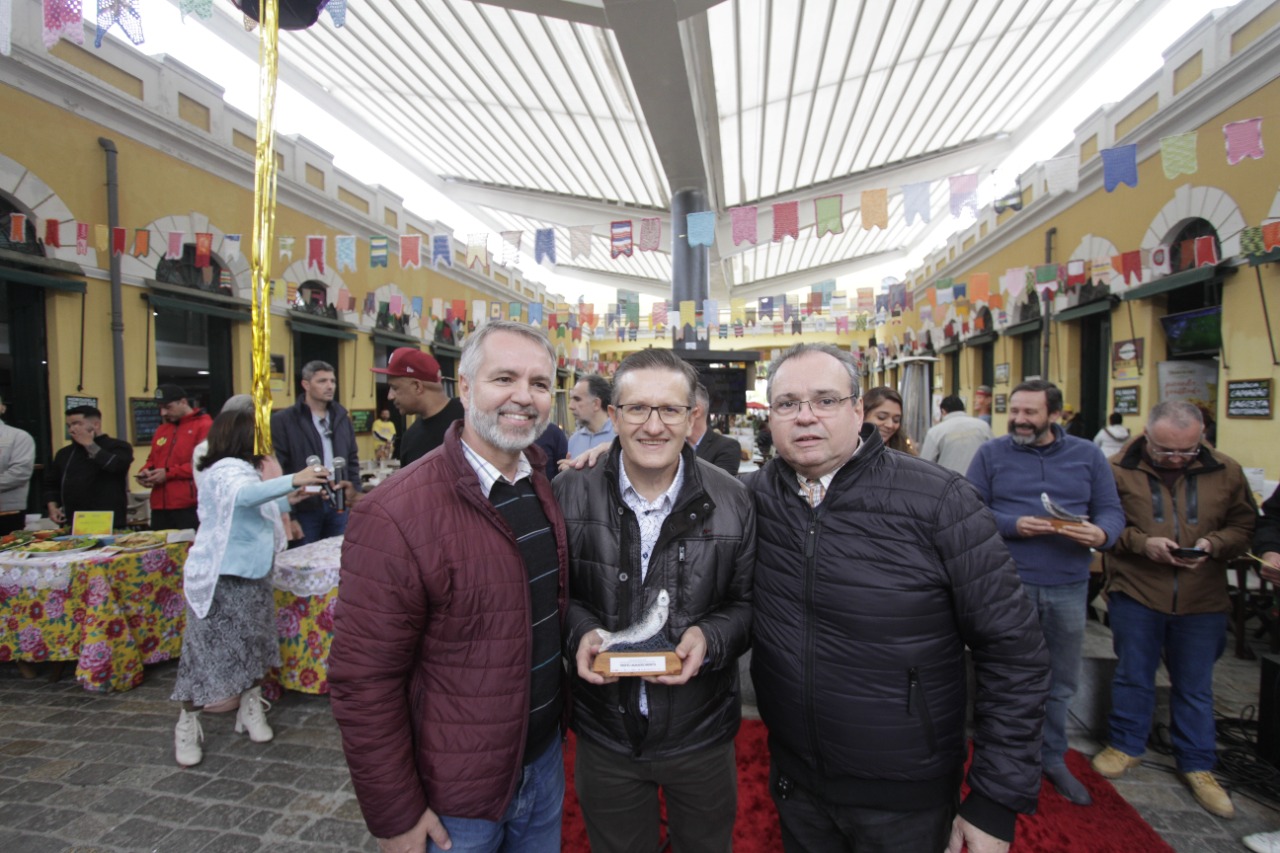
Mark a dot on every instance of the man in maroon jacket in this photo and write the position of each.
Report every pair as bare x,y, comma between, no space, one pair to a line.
168,470
445,670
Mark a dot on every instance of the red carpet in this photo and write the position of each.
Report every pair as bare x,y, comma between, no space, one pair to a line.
1110,824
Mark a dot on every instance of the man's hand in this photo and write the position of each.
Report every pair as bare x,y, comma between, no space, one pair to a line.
1270,570
415,840
588,648
964,833
1087,534
1030,525
350,492
81,434
585,459
56,515
1201,544
692,651
156,476
1159,550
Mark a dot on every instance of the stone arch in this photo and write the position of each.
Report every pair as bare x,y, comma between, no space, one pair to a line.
384,294
31,192
230,253
1191,202
299,271
1097,253
1274,212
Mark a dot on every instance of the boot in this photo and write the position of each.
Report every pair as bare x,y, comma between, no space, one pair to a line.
253,715
187,736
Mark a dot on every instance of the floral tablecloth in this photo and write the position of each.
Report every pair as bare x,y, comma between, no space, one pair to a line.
306,588
109,612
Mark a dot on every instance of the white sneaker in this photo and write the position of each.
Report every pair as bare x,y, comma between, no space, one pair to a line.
187,736
253,715
1263,842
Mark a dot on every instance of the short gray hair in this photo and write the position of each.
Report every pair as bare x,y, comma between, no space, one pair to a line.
238,403
471,349
311,368
843,356
1179,413
703,397
658,359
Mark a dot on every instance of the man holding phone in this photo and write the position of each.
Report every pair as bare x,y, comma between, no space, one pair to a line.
1188,510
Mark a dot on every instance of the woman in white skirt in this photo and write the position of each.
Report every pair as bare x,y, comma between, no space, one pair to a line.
230,639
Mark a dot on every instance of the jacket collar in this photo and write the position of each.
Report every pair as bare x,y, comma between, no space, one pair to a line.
335,409
869,452
691,492
1059,441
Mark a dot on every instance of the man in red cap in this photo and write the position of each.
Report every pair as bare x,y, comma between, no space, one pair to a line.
415,389
168,472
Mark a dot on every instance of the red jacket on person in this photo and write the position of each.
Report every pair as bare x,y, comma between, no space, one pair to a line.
429,666
171,449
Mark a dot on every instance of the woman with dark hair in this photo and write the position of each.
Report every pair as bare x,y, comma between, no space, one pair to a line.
882,407
230,640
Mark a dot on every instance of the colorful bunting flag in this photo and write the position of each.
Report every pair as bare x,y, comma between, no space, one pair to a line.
650,234
200,8
744,221
828,215
786,220
441,250
1250,240
119,239
477,251
765,307
230,246
1178,155
53,235
544,246
1128,265
17,228
286,247
204,248
82,238
875,209
1271,235
620,239
916,203
701,227
122,12
345,252
979,287
337,10
1119,166
1047,278
141,242
535,313
101,238
457,310
395,305
513,311
63,19
1161,260
1076,276
1244,139
511,247
964,193
580,241
410,252
316,250
1206,252
1062,175
378,251
866,299
1014,281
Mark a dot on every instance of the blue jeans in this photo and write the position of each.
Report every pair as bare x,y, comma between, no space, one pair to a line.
1191,645
320,523
532,821
1062,615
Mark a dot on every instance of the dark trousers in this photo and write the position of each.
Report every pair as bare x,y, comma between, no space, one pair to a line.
9,522
619,798
811,824
175,519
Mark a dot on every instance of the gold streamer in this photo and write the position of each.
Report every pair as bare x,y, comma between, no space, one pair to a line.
264,220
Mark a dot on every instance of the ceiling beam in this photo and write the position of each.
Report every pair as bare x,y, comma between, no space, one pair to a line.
576,11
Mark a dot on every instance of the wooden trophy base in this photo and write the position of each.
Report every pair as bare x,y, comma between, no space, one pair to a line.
615,664
1059,523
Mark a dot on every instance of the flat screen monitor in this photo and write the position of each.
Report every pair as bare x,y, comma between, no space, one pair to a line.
1194,332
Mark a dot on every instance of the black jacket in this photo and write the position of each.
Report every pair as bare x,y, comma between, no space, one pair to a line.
864,607
1266,535
78,482
294,438
704,558
720,450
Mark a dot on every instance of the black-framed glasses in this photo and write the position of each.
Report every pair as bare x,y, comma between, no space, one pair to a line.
820,406
639,413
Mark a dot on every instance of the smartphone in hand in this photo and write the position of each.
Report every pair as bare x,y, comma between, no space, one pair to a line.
1189,553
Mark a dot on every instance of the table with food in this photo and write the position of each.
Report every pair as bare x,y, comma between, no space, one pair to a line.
109,603
306,589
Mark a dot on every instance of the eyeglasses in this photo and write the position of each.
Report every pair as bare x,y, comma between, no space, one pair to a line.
639,413
788,409
1160,453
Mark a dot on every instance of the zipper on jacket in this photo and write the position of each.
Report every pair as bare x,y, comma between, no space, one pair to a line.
810,644
916,691
1177,537
679,602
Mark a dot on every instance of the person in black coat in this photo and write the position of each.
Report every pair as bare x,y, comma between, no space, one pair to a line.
1266,537
719,450
91,474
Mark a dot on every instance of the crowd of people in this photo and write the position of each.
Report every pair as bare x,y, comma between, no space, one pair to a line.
463,648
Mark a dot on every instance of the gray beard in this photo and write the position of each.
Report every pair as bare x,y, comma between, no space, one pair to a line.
486,426
1026,440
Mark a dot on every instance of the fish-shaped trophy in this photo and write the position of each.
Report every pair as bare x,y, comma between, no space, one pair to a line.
642,648
1058,516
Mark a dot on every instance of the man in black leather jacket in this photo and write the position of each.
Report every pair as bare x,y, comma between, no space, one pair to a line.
875,570
652,518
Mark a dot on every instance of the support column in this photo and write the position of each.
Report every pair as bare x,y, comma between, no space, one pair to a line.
690,265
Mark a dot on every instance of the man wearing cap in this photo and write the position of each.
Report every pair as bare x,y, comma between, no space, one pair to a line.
982,404
17,461
168,470
415,389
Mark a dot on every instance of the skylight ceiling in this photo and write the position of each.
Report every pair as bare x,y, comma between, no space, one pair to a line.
552,113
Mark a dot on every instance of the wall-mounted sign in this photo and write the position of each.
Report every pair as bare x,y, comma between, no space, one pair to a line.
1249,398
1001,403
144,415
1002,374
1126,359
1126,401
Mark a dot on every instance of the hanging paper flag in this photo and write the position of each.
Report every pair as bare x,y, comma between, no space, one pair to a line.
174,250
866,299
441,250
744,224
437,308
659,317
410,251
477,251
1062,174
790,308
875,209
711,312
17,228
1178,155
882,301
316,250
765,307
1014,281
535,313
201,8
286,247
995,301
1046,278
344,297
587,315
964,193
82,238
395,304
1161,261
513,311
1250,240
962,308
230,246
204,248
979,287
1119,166
915,201
579,241
457,310
786,220
946,294
1271,235
1206,251
701,227
122,12
1128,265
119,239
101,238
688,313
620,239
511,247
926,315
344,246
62,19
141,242
650,234
959,291
337,10
842,325
737,310
53,236
1075,274
828,215
897,297
1244,139
479,311
378,249
544,246
1100,270
291,296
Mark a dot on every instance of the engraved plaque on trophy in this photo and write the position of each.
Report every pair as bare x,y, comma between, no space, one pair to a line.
642,648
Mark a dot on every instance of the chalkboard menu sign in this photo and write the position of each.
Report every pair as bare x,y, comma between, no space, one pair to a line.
1001,404
1249,398
361,420
144,415
1126,401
